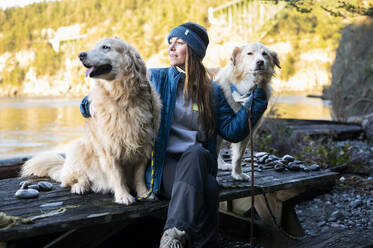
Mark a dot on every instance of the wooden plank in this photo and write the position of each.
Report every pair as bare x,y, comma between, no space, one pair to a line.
273,181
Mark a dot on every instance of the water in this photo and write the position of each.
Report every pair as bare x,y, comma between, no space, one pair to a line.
32,125
297,105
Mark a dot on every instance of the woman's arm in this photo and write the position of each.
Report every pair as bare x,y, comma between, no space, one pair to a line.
234,127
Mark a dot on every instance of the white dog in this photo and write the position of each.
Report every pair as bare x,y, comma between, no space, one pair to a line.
249,65
117,145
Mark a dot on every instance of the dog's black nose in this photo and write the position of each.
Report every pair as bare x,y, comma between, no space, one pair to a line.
260,62
82,55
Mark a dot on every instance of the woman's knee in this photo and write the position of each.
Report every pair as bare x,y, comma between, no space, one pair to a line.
197,152
194,163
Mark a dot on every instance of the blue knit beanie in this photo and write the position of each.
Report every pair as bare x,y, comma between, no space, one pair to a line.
194,35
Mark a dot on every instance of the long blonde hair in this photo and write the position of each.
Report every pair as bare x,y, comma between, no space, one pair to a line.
198,88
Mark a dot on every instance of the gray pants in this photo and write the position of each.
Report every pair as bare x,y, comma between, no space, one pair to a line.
194,196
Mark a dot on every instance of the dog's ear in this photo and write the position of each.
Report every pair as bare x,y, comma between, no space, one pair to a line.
137,62
236,52
276,61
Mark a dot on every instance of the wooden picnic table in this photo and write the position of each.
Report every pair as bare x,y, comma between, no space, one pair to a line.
68,213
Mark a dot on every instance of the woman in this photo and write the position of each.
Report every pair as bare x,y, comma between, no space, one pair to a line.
194,113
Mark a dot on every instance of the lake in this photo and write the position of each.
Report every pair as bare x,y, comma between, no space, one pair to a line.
32,125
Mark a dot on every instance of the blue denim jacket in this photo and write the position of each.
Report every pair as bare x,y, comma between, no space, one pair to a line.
232,126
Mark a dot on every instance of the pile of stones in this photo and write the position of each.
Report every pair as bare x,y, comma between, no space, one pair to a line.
30,190
282,164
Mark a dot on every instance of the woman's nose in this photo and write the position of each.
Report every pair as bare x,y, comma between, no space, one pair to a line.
172,46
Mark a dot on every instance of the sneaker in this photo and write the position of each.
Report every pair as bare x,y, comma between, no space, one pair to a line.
172,238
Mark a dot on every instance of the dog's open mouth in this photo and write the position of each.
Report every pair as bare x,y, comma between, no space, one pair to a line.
98,70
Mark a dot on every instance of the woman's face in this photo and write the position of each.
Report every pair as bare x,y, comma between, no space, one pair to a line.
177,52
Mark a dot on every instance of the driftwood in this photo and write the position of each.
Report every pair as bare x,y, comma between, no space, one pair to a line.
316,128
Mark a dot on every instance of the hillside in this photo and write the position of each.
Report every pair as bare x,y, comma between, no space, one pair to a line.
40,42
27,34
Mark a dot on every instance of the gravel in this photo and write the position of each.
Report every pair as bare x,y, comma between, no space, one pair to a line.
348,206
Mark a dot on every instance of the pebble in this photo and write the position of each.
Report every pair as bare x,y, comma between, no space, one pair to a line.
321,223
33,186
260,154
27,193
293,166
356,203
45,186
24,184
288,158
337,214
262,159
284,161
314,167
279,167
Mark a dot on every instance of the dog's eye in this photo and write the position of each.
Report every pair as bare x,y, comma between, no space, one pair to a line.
105,47
249,53
264,54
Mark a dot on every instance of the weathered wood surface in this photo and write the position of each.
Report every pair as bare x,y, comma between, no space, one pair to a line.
271,181
338,130
91,209
81,210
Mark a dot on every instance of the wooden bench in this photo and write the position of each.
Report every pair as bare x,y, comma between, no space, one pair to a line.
93,213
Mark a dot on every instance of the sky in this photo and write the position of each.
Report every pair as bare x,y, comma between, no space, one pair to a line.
16,3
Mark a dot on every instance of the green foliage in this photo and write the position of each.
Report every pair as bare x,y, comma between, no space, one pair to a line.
274,137
288,67
14,76
47,61
144,23
325,152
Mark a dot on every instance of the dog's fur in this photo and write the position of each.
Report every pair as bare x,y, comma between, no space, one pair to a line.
117,145
249,65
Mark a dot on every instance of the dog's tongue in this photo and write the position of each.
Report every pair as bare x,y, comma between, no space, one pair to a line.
89,71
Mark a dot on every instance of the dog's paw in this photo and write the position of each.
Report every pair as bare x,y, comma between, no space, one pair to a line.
240,177
78,188
125,199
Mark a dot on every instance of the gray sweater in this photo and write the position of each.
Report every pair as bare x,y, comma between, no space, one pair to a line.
185,128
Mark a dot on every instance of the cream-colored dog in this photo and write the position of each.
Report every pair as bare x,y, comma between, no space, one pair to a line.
249,65
118,140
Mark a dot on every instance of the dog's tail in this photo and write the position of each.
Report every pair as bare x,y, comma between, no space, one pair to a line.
45,164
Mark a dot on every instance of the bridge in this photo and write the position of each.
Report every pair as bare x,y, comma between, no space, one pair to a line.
252,19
